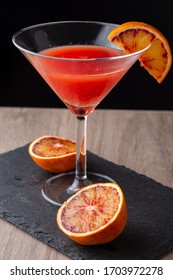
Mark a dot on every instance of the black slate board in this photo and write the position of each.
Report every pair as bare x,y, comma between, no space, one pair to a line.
149,230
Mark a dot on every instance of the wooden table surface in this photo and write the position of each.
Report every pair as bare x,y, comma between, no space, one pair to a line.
140,140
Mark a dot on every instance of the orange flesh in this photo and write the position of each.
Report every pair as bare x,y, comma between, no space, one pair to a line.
50,147
151,62
134,40
134,36
91,210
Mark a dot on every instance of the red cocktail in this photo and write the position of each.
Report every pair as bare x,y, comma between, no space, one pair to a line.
80,83
82,66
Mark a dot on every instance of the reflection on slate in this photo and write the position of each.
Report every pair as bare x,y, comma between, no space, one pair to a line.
149,230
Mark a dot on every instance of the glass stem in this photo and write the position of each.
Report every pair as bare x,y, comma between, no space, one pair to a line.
81,169
81,157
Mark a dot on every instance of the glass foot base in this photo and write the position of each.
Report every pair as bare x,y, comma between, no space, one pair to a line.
60,187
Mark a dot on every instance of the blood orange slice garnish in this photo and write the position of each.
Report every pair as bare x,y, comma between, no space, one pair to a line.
134,36
53,153
96,214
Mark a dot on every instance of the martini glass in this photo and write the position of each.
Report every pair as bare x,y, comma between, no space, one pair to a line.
81,66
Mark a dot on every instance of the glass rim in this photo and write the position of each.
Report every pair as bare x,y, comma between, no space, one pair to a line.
38,54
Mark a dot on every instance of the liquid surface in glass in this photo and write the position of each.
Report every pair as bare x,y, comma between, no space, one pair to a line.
83,79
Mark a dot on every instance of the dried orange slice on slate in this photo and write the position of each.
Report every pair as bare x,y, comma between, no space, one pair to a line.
134,36
53,153
96,214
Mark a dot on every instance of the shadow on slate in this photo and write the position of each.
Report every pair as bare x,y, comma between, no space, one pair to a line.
149,230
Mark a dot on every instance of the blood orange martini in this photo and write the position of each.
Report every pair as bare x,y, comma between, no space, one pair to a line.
88,81
81,66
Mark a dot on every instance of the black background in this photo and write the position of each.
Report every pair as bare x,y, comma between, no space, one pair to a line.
21,85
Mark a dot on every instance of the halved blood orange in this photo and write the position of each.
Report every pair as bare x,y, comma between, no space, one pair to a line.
53,153
96,214
134,36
